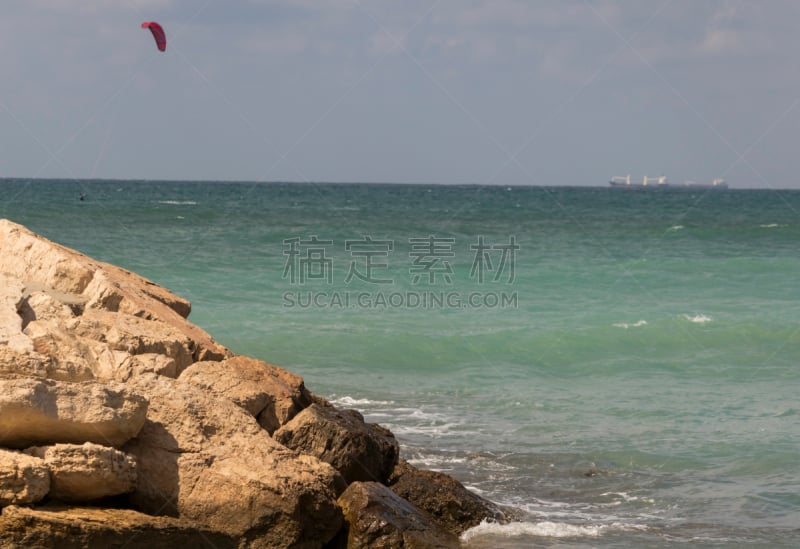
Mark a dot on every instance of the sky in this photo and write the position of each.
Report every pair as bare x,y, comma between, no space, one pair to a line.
491,92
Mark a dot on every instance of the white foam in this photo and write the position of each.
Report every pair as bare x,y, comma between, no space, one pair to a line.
178,202
350,401
676,228
771,225
625,497
436,461
425,430
698,318
625,325
545,529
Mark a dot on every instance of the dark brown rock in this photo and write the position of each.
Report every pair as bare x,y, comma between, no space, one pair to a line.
358,450
445,499
377,518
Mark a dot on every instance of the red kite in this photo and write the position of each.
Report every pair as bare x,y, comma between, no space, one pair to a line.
158,34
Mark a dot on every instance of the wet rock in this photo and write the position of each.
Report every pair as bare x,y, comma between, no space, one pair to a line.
359,451
378,518
445,499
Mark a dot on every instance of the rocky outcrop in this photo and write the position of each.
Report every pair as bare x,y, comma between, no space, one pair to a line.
86,472
41,411
360,451
109,395
23,479
377,518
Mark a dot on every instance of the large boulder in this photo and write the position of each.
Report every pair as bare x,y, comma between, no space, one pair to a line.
86,472
377,518
446,500
58,526
23,478
60,284
270,394
205,459
41,411
359,451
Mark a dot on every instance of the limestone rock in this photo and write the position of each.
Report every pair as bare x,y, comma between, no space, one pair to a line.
377,518
18,356
359,451
58,526
86,472
23,478
206,459
38,411
445,499
269,393
11,336
60,283
127,345
14,364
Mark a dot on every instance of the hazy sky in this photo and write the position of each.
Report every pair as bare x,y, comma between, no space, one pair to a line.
448,91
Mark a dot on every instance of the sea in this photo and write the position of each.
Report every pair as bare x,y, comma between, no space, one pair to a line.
618,368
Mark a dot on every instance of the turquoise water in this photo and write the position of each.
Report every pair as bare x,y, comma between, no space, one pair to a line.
626,377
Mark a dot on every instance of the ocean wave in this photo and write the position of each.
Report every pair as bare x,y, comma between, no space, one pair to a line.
546,529
675,228
178,202
350,401
485,462
772,225
431,461
634,325
698,318
624,497
430,431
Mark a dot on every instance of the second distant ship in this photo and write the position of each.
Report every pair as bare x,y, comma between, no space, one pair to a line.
661,182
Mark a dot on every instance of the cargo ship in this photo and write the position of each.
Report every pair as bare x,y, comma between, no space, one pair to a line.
661,182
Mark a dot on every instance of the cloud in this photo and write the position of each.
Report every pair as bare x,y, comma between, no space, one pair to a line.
741,28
